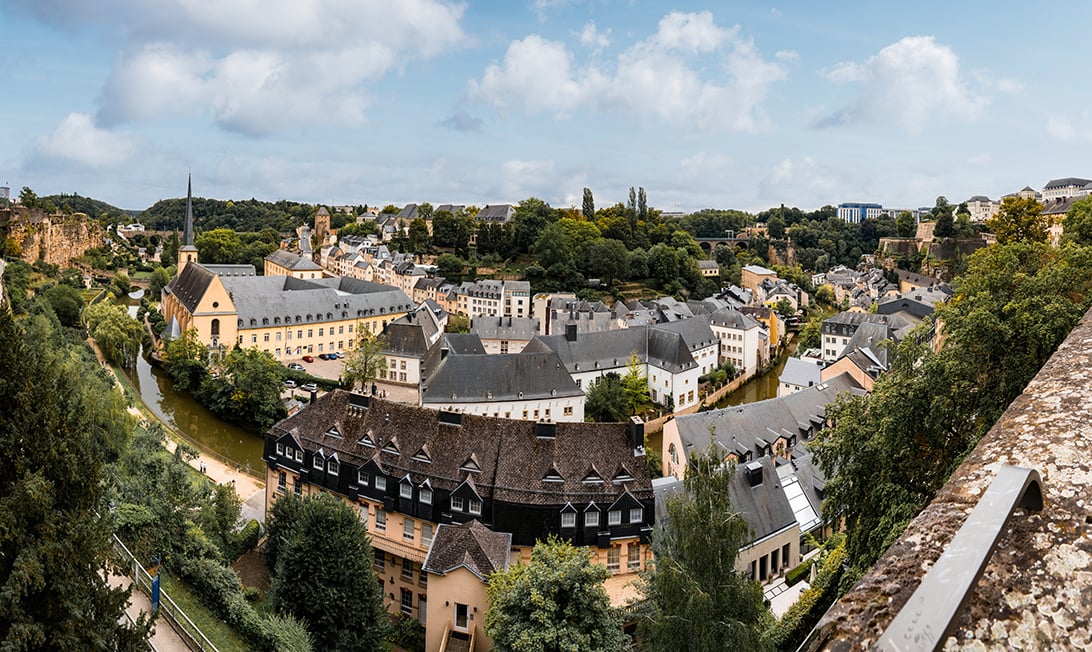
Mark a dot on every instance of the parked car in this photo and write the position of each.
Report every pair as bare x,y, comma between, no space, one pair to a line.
289,383
295,366
308,358
326,356
309,387
338,355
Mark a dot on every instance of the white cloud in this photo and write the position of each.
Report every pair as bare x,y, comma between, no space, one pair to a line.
806,180
666,75
77,140
788,56
1010,86
521,178
913,80
263,67
1068,130
591,37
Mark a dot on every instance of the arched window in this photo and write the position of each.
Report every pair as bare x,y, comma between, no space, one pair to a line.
215,327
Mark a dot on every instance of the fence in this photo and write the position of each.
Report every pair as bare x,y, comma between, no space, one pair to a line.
177,618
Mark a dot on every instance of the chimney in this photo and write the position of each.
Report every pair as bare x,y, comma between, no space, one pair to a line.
635,434
754,473
314,395
570,332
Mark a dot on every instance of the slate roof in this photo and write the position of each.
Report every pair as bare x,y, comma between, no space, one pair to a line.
663,348
1066,182
481,378
496,213
231,270
695,332
469,545
464,343
405,339
408,212
736,429
327,299
513,461
504,328
800,373
732,318
190,285
760,270
292,261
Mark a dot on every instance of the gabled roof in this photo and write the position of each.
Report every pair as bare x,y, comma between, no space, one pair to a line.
1067,182
292,261
190,285
496,213
492,378
732,318
504,328
513,460
286,297
654,345
469,545
800,373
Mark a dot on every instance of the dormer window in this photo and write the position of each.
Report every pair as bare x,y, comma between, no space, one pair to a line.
471,465
456,504
568,519
425,495
614,517
592,478
422,456
553,476
391,447
381,482
332,467
280,449
299,455
367,440
317,461
591,518
636,515
405,488
333,432
475,506
362,477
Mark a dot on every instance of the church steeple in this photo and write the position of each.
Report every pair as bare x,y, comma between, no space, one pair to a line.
187,253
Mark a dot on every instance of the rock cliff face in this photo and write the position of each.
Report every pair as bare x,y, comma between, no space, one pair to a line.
55,239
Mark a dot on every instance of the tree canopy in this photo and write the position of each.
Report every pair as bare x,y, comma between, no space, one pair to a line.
694,598
1019,218
554,603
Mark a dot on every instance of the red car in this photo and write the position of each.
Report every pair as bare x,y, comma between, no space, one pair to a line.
308,358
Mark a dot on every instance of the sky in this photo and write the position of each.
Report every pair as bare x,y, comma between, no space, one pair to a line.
705,105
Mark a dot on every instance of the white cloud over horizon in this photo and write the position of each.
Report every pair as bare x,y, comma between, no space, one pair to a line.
663,75
76,140
913,81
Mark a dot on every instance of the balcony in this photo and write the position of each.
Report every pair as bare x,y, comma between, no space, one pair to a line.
1033,592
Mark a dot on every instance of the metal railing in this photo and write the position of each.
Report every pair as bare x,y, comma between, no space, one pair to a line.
927,619
177,618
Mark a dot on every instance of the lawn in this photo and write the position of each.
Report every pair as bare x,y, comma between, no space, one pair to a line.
217,631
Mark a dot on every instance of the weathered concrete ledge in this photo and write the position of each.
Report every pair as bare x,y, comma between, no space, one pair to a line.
1036,591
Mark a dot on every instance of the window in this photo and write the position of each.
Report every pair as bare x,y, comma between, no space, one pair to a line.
297,487
426,536
425,495
362,477
407,602
402,365
265,337
568,410
475,506
633,554
320,332
362,514
461,616
614,517
282,482
380,520
456,504
405,489
310,332
568,519
407,529
299,456
614,556
636,515
317,462
380,559
381,482
332,467
591,518
407,569
280,449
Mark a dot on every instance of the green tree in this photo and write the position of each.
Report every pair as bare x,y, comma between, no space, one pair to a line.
606,260
887,454
186,361
67,302
360,229
776,226
905,224
418,235
553,246
61,424
452,230
531,217
161,276
942,213
589,205
363,363
450,267
28,197
556,602
248,391
642,204
1019,218
1077,225
694,598
218,246
783,307
117,334
324,576
635,385
122,285
606,399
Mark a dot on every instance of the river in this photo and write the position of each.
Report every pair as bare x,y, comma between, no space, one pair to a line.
195,422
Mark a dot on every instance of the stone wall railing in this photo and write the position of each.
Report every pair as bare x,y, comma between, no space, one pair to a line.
1036,591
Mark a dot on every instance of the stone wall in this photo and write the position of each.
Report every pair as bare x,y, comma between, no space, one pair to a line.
1036,591
55,239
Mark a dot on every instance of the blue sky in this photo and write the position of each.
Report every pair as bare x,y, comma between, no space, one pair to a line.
744,105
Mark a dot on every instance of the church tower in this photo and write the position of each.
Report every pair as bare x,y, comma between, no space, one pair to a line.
187,253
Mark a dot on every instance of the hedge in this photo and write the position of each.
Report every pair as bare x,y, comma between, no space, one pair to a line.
800,572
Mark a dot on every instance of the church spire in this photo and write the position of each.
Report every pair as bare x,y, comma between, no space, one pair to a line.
187,234
187,253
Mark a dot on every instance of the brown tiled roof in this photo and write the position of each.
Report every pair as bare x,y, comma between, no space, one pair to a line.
472,545
512,459
190,285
